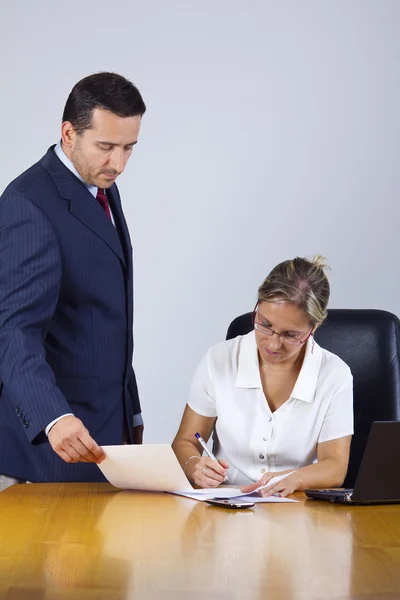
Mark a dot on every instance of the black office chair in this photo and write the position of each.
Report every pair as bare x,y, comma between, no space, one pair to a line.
369,342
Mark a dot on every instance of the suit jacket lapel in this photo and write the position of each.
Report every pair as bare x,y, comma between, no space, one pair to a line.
90,213
122,228
120,223
82,204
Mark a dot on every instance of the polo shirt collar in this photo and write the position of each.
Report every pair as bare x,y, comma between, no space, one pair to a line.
248,375
306,384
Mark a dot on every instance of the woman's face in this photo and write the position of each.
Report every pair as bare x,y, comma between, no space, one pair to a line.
286,319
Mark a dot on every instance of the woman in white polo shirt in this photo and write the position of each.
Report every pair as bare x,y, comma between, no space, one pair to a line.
274,400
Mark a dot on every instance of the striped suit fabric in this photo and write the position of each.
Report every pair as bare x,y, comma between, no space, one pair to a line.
66,311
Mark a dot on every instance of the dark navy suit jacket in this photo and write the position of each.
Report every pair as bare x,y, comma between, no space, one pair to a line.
66,301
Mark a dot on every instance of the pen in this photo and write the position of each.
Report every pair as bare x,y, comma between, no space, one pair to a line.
206,450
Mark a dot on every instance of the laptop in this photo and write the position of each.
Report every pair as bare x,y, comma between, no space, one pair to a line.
378,479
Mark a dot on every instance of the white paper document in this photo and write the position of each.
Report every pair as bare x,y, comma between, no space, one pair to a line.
154,467
227,492
151,467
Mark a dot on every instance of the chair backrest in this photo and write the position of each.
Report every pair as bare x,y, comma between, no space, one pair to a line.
369,342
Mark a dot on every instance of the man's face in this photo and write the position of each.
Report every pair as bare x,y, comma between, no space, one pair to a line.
100,153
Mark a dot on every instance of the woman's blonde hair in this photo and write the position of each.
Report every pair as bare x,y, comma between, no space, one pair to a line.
302,282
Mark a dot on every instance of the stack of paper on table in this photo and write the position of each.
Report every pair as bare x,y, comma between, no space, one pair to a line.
155,468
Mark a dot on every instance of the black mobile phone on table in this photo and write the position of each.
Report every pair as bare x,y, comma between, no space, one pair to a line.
229,503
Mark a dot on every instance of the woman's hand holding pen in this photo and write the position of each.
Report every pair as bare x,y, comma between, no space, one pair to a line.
207,473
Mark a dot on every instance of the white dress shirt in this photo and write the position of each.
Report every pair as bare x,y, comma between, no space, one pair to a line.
137,419
254,440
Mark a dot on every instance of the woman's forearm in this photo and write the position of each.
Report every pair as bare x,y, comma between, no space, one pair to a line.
325,473
184,451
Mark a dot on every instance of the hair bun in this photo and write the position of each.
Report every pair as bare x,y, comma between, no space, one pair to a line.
319,262
303,282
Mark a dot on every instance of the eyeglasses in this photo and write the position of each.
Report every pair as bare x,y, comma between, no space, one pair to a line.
286,338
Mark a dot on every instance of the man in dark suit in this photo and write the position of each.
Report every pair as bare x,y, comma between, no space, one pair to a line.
66,295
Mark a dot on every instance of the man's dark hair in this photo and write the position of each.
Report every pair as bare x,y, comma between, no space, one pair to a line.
108,91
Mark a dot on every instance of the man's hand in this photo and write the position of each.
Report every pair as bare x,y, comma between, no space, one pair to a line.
70,439
138,434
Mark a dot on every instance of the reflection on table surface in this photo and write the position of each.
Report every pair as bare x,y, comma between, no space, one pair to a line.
90,541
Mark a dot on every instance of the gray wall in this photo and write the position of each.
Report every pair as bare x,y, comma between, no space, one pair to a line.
272,130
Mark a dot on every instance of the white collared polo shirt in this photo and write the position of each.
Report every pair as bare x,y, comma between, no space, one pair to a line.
254,440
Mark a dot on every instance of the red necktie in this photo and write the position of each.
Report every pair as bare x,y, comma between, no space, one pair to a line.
103,201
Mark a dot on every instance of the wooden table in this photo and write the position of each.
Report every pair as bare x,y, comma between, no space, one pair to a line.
90,541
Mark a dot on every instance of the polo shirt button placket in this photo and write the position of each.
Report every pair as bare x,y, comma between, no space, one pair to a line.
266,438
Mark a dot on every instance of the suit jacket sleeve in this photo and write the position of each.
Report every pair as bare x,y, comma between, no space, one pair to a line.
30,275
